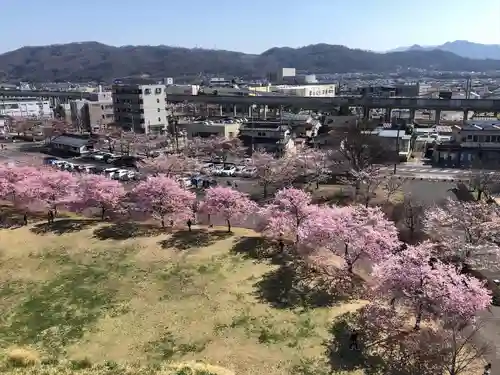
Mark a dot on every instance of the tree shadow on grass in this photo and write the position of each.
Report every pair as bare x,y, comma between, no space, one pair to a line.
341,357
13,217
258,248
286,287
127,230
63,226
184,239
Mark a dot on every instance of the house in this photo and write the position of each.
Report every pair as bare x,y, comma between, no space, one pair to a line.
71,144
476,141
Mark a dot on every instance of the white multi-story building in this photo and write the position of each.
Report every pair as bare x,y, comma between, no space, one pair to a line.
32,108
141,108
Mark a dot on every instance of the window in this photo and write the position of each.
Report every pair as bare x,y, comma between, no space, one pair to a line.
474,138
158,109
141,101
102,107
157,100
159,119
103,116
147,91
158,91
231,134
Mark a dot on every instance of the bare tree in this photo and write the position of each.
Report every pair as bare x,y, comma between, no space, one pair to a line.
482,181
391,185
366,183
413,215
463,349
360,149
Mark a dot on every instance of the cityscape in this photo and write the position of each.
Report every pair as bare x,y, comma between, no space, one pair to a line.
306,210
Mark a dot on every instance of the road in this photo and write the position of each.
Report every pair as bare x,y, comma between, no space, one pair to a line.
425,172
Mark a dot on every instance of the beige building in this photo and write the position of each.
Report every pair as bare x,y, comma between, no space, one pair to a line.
96,115
141,108
208,128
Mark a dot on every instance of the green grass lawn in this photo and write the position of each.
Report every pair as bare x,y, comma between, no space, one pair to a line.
103,299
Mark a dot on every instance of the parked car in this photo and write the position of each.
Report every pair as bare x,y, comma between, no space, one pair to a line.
239,171
249,172
217,169
185,182
228,171
49,160
110,172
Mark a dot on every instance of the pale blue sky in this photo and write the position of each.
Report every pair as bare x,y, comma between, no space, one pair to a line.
249,26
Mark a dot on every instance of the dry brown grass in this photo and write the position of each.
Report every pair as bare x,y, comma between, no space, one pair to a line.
143,302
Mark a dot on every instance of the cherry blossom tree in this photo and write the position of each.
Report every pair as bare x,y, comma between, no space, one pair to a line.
229,203
284,215
428,287
465,231
12,180
50,187
316,164
164,198
172,165
220,147
271,171
351,232
100,192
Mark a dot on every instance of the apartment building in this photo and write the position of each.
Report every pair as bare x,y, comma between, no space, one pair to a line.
141,108
474,142
95,115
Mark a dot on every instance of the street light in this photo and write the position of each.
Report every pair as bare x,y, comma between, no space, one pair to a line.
252,107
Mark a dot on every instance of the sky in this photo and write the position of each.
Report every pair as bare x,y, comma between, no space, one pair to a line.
249,26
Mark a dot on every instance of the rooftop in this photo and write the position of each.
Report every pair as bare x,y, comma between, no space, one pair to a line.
481,125
72,141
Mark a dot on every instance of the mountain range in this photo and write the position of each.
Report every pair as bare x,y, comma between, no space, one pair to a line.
93,61
462,48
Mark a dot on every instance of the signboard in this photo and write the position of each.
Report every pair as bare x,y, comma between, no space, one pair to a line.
169,81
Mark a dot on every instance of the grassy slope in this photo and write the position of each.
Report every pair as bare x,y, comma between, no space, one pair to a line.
96,294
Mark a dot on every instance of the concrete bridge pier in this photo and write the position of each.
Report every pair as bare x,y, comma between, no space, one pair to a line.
466,114
366,113
387,116
437,116
412,116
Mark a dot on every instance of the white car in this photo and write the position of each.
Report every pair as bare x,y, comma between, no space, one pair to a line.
110,172
239,171
249,172
217,170
185,182
98,156
228,171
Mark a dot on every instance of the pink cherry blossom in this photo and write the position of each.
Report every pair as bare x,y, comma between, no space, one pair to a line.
215,147
285,214
229,203
429,287
164,198
465,231
101,192
352,232
271,171
50,187
11,180
316,164
172,165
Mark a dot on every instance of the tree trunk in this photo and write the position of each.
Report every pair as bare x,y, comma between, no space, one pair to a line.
479,194
163,222
265,190
228,226
349,264
418,318
317,184
103,211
